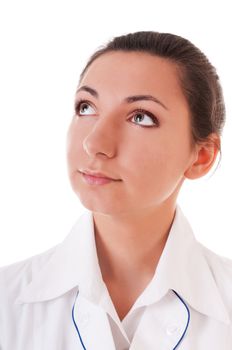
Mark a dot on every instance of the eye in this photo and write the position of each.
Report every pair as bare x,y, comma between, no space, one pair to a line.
80,106
140,113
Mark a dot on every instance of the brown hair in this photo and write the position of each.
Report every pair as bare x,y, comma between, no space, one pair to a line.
198,77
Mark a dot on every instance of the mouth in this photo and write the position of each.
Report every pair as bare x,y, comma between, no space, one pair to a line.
96,178
97,175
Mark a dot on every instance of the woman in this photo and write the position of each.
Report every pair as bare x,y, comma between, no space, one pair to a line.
149,113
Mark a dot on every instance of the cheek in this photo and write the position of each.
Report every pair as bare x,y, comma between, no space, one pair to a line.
161,161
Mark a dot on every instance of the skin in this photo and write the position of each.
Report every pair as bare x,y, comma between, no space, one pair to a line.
132,217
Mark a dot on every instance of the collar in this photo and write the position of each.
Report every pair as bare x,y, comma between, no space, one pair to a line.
182,267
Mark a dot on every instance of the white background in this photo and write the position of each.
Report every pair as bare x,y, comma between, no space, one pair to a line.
44,45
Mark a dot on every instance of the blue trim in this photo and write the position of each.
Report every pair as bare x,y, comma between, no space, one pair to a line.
187,321
82,343
76,324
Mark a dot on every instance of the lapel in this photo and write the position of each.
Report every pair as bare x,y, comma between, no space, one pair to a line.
184,268
163,325
92,325
74,259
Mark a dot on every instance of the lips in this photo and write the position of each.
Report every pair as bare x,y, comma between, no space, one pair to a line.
97,174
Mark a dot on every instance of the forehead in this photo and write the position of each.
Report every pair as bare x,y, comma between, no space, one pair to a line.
123,73
124,65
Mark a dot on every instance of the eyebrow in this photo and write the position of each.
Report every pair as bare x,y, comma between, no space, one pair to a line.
129,99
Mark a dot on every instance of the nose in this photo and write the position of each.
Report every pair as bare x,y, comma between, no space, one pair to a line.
101,139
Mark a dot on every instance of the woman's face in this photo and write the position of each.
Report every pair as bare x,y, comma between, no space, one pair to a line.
110,135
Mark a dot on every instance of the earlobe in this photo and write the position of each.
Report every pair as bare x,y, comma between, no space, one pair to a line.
206,155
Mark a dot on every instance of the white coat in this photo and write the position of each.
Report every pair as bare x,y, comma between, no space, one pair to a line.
48,302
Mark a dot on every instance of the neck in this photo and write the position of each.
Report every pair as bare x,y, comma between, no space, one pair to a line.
133,243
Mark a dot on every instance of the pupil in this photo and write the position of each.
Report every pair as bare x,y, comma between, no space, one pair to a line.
139,116
84,105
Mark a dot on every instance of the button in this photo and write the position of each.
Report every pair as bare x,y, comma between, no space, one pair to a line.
84,319
171,329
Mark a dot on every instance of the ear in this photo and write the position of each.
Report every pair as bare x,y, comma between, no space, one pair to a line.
205,156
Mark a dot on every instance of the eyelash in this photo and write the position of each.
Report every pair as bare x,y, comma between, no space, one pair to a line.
139,110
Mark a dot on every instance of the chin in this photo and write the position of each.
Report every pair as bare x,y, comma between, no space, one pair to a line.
102,207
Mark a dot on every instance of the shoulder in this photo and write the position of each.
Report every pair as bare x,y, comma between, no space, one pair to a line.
221,269
14,277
